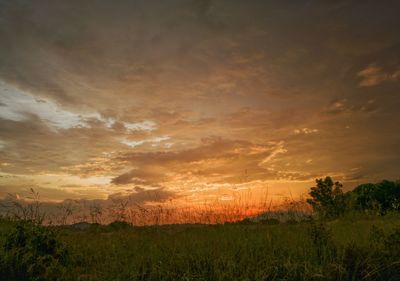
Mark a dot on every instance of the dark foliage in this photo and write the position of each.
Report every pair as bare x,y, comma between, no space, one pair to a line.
327,198
270,221
246,250
115,225
329,201
381,197
321,237
32,252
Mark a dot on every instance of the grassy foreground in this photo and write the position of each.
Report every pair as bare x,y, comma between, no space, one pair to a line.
361,248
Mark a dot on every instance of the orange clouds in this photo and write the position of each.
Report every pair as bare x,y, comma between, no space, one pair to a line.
374,75
196,98
215,160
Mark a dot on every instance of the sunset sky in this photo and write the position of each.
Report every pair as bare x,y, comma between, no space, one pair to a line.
196,100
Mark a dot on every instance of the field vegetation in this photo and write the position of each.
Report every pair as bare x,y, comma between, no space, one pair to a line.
349,236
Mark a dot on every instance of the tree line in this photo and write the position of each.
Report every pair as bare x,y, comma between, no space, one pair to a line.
329,201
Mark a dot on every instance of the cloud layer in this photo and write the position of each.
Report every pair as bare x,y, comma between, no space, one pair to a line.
190,97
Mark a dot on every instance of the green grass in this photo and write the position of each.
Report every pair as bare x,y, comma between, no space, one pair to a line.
343,250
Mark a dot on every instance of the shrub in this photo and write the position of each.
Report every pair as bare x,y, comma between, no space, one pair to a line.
32,252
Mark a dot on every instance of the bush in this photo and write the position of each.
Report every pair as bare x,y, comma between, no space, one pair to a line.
32,252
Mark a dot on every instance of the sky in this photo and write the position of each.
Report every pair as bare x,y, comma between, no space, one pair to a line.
196,100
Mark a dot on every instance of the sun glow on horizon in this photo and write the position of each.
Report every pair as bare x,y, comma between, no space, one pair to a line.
203,105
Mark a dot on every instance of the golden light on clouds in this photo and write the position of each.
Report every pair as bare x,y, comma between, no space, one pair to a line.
197,102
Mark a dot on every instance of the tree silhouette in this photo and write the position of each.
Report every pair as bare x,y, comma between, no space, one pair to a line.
383,196
327,198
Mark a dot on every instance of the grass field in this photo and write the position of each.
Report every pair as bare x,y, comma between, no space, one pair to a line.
351,248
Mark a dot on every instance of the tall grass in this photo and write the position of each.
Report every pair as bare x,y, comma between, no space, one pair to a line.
240,241
313,250
126,210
